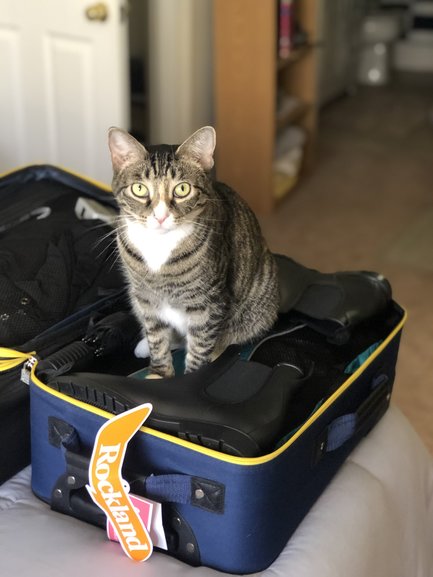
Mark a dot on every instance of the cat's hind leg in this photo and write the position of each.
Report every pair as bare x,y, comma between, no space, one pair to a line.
204,338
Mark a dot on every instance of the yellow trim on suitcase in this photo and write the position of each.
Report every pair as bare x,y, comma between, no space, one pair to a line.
216,454
89,179
10,358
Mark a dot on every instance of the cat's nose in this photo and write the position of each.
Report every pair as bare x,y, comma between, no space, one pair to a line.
160,212
161,219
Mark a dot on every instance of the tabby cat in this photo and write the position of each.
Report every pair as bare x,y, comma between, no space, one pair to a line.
192,250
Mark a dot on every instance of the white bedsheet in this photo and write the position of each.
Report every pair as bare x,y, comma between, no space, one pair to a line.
374,520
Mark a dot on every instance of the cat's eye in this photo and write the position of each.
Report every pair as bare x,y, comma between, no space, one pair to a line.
139,189
182,190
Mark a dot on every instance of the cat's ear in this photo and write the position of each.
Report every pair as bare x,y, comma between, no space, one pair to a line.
199,147
124,148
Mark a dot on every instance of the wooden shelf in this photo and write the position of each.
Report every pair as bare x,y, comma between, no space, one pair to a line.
283,184
294,56
292,116
248,76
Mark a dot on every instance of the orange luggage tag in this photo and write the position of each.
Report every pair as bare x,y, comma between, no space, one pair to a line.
111,492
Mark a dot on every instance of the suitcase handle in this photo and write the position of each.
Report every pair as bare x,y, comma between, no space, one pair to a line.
343,428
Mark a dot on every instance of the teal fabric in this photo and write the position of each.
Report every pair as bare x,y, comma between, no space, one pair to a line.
282,441
360,359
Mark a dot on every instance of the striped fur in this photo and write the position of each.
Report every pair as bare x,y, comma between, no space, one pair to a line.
203,268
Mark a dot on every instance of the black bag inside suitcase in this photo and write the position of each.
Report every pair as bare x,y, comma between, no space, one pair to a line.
54,266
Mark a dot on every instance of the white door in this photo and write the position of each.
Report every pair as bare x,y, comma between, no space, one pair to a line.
63,82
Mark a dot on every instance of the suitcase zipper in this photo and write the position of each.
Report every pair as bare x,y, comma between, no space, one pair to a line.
65,332
70,328
26,371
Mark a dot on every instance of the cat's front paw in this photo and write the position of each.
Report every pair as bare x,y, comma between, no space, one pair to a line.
194,362
159,372
195,365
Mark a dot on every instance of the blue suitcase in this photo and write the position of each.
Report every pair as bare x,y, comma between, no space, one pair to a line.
227,508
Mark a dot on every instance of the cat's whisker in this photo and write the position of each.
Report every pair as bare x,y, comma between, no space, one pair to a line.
114,222
106,250
203,226
115,260
197,224
103,238
100,225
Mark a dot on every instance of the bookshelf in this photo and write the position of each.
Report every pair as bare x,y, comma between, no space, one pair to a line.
249,79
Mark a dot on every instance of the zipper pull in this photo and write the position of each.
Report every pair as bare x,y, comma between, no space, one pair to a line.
26,371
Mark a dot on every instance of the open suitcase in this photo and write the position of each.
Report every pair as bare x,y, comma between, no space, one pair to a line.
56,266
237,452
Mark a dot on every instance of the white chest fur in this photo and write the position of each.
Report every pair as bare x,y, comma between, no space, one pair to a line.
156,246
174,317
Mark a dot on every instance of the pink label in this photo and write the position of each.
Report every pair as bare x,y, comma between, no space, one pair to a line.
144,510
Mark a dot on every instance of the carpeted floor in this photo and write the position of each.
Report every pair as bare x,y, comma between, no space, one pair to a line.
368,204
